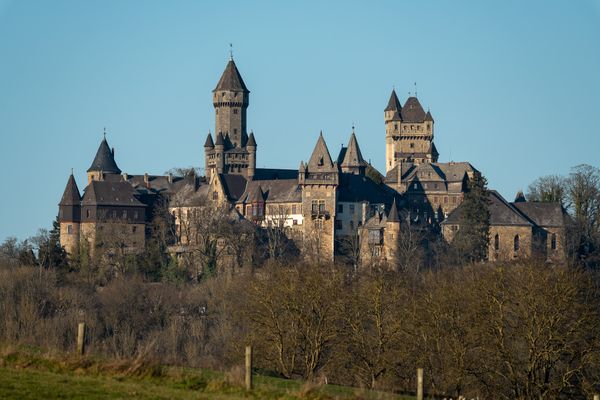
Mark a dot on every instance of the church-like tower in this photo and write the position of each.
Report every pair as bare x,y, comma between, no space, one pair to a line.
408,133
233,150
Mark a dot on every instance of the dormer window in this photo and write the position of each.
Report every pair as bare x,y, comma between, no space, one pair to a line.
320,162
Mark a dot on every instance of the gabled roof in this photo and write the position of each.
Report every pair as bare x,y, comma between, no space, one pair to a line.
231,80
320,160
542,214
353,157
413,111
71,196
274,191
356,188
393,103
209,142
233,185
110,193
502,213
393,214
256,195
104,160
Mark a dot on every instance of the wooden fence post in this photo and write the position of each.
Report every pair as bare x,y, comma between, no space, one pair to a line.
597,397
81,338
419,383
248,367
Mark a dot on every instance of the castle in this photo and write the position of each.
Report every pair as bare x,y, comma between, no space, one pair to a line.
324,204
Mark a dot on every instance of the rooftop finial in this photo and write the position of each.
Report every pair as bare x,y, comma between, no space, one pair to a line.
71,171
231,51
104,133
352,126
415,89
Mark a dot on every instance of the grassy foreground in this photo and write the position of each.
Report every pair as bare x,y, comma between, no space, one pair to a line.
24,375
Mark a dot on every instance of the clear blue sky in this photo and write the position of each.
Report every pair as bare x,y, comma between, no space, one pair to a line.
513,86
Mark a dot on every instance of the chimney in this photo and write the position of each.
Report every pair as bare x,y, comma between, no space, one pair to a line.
125,176
170,178
146,180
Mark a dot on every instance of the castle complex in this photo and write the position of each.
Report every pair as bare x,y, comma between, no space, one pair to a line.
327,202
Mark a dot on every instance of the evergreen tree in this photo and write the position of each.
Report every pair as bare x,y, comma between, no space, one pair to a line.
472,239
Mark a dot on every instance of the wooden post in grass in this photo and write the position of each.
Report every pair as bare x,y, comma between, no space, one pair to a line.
81,338
597,397
248,367
419,383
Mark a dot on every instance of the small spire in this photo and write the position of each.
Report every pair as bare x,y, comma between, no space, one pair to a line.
352,126
71,170
104,133
231,51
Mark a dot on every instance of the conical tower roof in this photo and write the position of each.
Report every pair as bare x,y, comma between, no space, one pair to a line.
209,142
393,103
428,116
353,156
256,195
251,141
320,158
219,140
104,160
393,215
231,80
71,195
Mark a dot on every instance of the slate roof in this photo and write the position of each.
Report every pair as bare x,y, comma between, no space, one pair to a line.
110,193
501,213
393,103
234,185
261,174
413,111
104,160
447,172
320,160
71,196
542,214
251,141
354,188
393,214
352,155
231,80
219,140
428,116
209,141
277,191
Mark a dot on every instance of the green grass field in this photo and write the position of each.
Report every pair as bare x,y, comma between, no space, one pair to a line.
27,376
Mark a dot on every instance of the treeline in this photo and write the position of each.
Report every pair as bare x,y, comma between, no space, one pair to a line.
513,331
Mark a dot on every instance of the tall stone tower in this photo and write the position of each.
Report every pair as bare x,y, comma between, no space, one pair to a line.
408,133
233,151
319,180
69,216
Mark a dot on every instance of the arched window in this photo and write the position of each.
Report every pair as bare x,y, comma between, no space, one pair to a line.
496,242
516,243
553,241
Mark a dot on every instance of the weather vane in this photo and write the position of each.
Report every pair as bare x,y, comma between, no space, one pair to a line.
104,133
231,51
415,89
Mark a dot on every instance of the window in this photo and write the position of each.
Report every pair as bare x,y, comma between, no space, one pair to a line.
318,224
114,214
553,241
445,199
340,208
135,214
321,206
516,243
69,229
338,224
125,214
235,111
293,209
351,224
215,195
496,242
314,206
87,213
134,229
395,127
412,145
454,200
295,222
351,208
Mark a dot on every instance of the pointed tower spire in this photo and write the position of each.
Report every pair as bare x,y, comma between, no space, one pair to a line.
393,103
353,161
71,195
209,141
104,160
231,79
320,158
393,215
